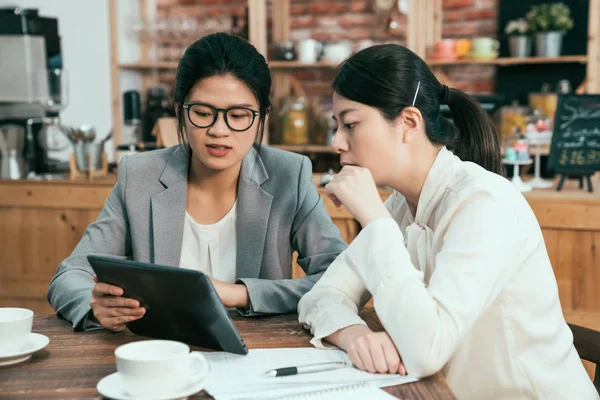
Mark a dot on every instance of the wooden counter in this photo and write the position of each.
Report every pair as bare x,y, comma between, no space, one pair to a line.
42,221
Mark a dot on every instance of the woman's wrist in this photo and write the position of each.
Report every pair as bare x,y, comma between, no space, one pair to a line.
240,295
343,337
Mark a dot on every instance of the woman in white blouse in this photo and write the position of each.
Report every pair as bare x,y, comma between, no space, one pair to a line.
455,259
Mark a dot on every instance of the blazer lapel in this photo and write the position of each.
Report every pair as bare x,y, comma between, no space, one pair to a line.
254,208
168,210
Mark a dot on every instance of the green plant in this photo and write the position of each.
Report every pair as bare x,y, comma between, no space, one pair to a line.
517,27
550,17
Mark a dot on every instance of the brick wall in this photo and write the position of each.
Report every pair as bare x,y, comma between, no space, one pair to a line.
353,20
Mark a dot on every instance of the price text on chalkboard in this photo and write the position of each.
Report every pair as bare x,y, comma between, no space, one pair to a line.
576,137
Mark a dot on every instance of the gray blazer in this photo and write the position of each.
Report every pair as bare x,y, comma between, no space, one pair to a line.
279,211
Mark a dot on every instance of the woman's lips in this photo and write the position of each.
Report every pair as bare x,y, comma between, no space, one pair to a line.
218,150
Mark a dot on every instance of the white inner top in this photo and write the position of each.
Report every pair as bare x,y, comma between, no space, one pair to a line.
211,249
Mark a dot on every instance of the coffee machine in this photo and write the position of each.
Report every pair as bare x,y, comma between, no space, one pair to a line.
29,47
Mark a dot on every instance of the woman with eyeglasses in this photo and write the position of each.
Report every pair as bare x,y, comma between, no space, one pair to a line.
455,259
218,202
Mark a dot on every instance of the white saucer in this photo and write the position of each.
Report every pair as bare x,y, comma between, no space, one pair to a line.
111,387
35,342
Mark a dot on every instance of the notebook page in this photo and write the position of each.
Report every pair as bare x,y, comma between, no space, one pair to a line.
234,376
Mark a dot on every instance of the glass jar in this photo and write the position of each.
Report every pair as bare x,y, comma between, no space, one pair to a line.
294,121
511,117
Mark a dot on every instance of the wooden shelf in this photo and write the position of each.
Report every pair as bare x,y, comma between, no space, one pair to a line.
304,148
149,66
299,65
275,65
511,61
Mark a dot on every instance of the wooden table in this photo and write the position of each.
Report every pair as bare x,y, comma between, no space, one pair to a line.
73,363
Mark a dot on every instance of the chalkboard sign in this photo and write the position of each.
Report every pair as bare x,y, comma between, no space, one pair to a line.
575,144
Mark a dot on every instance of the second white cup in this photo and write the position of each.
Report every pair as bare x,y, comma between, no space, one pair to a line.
158,367
15,327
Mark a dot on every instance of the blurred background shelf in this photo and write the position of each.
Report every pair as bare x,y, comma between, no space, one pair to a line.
582,59
144,66
275,65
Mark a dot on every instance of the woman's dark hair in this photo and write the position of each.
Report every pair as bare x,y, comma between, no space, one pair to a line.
222,54
386,77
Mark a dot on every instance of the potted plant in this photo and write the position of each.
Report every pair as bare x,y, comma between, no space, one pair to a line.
549,22
519,40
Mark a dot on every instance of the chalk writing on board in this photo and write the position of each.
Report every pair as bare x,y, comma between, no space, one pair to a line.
576,136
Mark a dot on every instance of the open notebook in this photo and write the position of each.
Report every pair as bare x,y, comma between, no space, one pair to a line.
358,391
235,377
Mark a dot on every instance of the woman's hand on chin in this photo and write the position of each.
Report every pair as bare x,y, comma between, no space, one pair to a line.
355,188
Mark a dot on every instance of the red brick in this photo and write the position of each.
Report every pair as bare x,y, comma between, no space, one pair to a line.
400,32
329,35
350,20
327,8
487,28
188,11
359,6
457,3
487,4
215,11
203,2
483,87
459,30
461,85
328,21
359,34
484,14
454,15
471,73
298,9
304,21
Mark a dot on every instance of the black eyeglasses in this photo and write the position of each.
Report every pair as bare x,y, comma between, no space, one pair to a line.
238,119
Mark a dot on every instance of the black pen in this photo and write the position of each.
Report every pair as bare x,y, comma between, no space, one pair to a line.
304,369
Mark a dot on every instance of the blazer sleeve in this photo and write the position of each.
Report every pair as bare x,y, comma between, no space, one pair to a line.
70,290
318,242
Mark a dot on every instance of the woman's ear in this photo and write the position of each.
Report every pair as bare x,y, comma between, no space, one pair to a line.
412,121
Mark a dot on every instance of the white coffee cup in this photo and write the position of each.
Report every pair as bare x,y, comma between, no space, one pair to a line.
15,327
337,52
158,367
308,50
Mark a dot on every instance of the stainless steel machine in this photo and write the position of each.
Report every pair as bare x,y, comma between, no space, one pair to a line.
32,93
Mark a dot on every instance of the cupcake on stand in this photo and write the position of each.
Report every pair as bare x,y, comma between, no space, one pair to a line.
516,153
538,134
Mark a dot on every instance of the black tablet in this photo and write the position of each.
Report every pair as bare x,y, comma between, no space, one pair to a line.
180,304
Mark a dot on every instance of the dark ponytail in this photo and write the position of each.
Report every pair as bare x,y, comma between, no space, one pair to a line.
477,137
387,76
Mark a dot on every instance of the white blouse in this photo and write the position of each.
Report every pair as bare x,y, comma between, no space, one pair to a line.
465,286
211,249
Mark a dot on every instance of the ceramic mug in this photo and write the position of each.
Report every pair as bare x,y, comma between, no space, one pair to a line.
158,367
15,327
462,47
309,50
485,46
445,48
337,52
